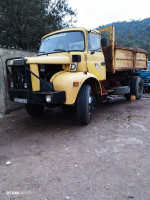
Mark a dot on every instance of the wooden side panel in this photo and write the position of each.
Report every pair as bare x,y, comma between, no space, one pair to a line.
141,60
124,60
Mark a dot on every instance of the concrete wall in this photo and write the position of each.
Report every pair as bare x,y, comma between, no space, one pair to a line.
5,104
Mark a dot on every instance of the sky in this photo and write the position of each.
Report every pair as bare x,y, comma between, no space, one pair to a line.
92,13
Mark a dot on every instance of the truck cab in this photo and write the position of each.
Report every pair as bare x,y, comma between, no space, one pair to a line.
67,60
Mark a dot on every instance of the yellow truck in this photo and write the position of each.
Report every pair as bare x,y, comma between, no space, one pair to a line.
73,67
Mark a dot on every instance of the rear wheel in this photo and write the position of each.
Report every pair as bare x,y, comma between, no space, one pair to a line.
137,87
35,110
85,105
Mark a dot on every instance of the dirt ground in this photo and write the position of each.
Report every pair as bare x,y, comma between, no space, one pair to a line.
55,158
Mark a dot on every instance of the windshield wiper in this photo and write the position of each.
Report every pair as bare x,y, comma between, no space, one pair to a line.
41,53
60,50
55,50
93,51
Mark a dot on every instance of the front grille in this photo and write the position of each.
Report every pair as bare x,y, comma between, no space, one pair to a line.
19,77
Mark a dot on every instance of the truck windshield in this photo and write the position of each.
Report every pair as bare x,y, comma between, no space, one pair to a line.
62,42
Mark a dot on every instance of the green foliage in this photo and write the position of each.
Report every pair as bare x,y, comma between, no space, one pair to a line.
133,33
24,22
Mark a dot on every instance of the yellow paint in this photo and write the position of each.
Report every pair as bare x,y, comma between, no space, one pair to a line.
49,59
82,65
35,81
64,82
95,67
111,30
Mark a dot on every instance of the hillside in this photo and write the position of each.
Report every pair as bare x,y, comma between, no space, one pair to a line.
133,33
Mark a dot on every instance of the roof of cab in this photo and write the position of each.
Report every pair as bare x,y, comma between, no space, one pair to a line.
66,29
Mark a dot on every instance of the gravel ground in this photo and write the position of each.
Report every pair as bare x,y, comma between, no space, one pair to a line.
54,158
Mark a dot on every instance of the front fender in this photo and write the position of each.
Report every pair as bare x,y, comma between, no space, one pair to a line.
64,82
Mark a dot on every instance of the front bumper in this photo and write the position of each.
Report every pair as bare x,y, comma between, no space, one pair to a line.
57,97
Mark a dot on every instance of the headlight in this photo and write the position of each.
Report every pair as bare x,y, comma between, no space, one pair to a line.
25,85
48,98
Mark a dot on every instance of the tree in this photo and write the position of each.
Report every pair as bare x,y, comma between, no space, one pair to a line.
23,23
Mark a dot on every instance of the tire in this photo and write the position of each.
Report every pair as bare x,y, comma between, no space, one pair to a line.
35,110
85,105
137,87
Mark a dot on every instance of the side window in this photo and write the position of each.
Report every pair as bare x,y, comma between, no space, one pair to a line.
94,42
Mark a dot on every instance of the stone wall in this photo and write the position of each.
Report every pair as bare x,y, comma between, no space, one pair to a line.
5,104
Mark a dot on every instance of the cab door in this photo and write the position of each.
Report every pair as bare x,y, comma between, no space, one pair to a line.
95,57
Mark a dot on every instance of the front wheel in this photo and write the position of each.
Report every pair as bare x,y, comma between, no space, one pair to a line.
85,105
35,110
